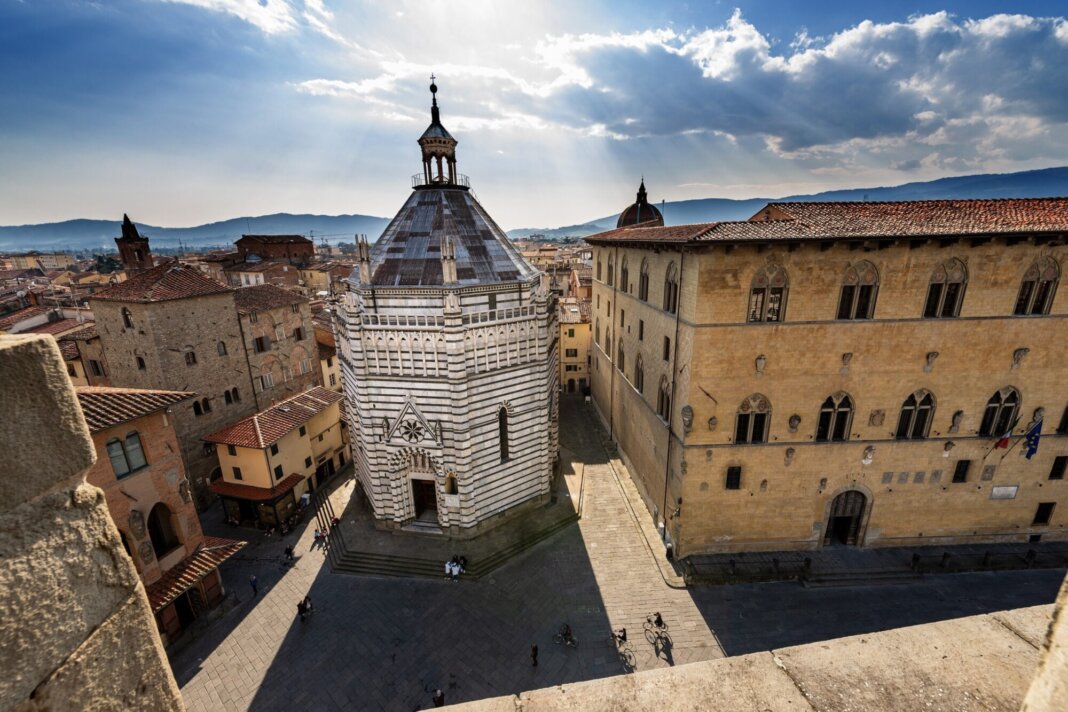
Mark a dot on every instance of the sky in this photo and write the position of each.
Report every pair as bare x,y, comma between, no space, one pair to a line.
181,112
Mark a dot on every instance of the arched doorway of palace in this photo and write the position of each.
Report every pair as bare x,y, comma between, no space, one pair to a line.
845,519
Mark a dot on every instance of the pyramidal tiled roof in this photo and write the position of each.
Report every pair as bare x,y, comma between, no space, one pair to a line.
409,251
262,297
171,280
269,426
106,407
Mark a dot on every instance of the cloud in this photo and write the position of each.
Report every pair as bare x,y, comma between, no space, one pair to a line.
270,16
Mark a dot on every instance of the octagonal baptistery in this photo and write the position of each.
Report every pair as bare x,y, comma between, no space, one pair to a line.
448,349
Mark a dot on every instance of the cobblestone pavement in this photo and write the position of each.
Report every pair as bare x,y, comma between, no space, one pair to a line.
379,643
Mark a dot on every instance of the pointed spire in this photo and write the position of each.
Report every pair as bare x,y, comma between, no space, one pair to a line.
642,195
129,230
435,116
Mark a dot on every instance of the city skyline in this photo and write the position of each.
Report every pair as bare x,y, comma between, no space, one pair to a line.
189,111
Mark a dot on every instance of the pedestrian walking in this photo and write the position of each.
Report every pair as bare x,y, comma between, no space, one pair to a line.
439,698
255,583
289,553
534,654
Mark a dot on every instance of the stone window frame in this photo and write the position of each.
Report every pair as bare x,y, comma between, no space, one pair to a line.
835,418
127,318
671,288
190,357
860,290
611,270
946,289
1001,411
163,530
639,375
768,293
663,399
624,275
1038,288
221,348
917,413
621,357
753,420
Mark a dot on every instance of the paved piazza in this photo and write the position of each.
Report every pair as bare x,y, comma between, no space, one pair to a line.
386,643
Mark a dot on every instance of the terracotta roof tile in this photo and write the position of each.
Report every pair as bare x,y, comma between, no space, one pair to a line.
276,239
106,407
263,297
189,571
858,220
269,426
164,283
574,312
15,317
69,349
84,334
56,327
257,494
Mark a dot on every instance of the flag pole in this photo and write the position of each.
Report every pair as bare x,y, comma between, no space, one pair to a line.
1011,447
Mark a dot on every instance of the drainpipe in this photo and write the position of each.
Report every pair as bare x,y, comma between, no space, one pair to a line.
248,363
612,361
671,411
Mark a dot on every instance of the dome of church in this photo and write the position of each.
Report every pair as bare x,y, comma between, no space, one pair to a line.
641,212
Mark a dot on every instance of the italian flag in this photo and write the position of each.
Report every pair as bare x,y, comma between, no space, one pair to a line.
1004,440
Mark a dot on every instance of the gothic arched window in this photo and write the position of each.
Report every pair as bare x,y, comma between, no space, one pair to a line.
767,296
663,399
624,275
1038,287
127,318
228,398
835,416
671,289
597,331
643,281
502,433
1001,412
161,530
859,288
946,290
598,270
611,271
916,414
639,374
205,405
620,356
752,421
235,394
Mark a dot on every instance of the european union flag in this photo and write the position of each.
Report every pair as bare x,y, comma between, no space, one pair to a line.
1032,437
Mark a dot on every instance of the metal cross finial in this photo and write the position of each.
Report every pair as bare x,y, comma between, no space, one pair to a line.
432,77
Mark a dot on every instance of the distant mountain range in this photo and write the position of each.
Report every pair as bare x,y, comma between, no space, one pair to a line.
1045,183
89,234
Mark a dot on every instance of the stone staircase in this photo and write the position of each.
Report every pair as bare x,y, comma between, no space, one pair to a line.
343,560
860,577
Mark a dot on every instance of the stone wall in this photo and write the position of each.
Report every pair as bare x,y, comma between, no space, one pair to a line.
789,483
77,631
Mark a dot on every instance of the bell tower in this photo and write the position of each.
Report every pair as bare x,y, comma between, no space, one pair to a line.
134,252
439,147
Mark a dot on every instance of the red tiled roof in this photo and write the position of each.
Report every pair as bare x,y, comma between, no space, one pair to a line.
327,351
55,327
256,494
84,334
15,317
69,349
859,220
263,297
166,282
276,239
106,407
269,426
574,312
189,571
263,266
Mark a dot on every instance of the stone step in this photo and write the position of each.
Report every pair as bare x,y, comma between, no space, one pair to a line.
357,562
884,577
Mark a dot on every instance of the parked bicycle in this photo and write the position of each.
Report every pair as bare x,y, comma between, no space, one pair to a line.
566,637
655,628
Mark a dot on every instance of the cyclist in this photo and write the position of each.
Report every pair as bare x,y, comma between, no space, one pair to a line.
658,621
620,636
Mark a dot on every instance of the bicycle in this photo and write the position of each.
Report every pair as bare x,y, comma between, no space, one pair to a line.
653,632
569,640
623,650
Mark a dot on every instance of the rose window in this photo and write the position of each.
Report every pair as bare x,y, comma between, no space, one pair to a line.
412,431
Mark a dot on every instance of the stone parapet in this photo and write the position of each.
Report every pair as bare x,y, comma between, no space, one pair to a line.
76,630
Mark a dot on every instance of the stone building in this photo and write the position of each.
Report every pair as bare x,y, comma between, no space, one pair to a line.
575,339
174,328
294,249
134,251
448,349
840,373
140,469
249,273
279,341
270,459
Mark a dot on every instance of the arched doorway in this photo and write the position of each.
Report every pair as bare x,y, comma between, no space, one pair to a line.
845,518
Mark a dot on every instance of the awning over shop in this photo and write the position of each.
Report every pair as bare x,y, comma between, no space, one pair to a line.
255,494
191,570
